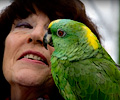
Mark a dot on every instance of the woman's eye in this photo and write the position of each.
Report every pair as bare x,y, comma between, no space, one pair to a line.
23,25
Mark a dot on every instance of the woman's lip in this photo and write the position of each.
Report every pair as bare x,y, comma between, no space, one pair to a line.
33,61
34,53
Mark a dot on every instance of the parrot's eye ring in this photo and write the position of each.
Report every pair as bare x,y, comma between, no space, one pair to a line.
61,33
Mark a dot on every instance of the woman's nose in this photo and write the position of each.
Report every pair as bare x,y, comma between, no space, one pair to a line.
36,36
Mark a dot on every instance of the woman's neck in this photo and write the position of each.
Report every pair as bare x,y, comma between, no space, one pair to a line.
19,92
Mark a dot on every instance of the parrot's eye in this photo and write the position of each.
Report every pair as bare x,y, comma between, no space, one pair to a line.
61,33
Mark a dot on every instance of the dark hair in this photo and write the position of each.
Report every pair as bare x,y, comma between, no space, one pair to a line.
55,9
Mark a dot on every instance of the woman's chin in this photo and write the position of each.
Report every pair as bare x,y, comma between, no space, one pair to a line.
29,78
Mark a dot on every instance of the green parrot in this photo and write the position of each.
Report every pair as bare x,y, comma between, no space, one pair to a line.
81,67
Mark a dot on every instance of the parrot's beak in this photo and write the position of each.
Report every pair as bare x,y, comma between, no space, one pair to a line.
47,39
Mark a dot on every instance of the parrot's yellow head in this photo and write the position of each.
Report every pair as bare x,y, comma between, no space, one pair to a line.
69,36
92,39
55,21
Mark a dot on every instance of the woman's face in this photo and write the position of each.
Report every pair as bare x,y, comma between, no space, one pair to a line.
26,61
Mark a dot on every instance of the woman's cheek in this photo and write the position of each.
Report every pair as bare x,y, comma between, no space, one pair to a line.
51,49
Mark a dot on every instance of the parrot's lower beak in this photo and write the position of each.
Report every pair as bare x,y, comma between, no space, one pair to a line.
47,39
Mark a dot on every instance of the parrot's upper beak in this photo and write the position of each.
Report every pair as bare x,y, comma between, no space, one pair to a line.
47,39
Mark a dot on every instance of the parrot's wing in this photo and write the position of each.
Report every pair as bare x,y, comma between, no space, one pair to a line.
60,75
94,78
